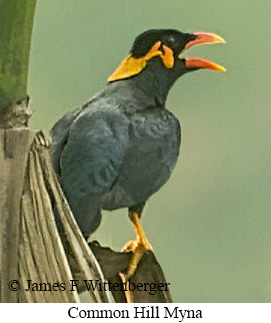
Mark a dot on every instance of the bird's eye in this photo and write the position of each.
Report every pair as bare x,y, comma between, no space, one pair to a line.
170,41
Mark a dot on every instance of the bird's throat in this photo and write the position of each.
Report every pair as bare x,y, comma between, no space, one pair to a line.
154,83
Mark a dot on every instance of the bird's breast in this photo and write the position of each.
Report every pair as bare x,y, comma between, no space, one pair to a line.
154,140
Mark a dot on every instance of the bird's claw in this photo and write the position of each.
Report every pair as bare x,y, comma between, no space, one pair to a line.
138,248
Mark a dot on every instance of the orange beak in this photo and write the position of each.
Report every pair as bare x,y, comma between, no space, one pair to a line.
198,63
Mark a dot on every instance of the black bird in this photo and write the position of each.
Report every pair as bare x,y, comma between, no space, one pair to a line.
121,147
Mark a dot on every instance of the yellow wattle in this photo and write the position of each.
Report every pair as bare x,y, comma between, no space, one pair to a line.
131,66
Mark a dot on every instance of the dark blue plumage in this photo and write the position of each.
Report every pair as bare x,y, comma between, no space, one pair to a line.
115,152
121,147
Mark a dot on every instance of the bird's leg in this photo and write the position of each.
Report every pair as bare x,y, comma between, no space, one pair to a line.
139,246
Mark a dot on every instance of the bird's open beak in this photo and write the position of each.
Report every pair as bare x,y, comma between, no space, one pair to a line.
198,63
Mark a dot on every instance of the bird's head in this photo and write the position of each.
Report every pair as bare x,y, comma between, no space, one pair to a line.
165,46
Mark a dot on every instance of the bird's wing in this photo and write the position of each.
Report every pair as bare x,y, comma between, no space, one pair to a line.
59,134
90,153
94,151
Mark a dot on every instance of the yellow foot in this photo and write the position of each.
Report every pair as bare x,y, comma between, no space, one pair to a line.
138,247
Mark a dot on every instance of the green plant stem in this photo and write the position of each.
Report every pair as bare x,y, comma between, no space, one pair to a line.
16,22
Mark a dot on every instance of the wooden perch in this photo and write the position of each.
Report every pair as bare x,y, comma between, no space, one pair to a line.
31,248
149,274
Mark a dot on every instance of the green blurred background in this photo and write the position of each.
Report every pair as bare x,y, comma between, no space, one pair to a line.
210,225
